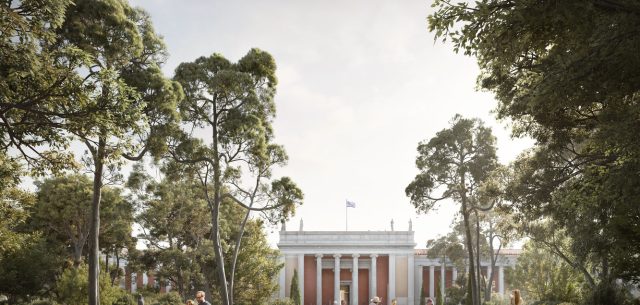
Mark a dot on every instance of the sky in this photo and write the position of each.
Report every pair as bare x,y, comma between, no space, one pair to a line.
361,83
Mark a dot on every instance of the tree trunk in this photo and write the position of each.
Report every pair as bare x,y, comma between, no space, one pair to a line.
472,271
236,251
94,259
478,266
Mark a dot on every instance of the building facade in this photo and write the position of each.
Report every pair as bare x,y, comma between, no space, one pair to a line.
355,266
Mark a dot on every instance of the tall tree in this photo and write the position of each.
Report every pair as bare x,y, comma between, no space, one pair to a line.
233,104
295,288
452,165
128,106
567,74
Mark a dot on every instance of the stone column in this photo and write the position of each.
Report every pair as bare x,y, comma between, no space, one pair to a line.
443,278
431,281
301,276
354,280
392,277
410,280
282,278
489,278
501,280
318,278
454,273
336,278
374,278
418,283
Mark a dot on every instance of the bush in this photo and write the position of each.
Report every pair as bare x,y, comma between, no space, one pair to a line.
43,302
170,298
125,299
285,301
73,285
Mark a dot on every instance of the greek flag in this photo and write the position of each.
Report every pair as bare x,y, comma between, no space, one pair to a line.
351,204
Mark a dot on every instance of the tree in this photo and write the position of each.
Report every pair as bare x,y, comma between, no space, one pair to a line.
28,264
127,106
295,290
439,298
37,82
233,104
452,165
543,276
63,208
565,73
176,227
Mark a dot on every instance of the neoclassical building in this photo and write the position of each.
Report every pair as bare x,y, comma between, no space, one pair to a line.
355,266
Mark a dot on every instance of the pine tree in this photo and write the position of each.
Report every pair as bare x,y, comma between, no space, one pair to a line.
295,290
422,299
439,300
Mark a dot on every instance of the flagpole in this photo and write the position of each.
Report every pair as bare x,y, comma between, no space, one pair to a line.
346,213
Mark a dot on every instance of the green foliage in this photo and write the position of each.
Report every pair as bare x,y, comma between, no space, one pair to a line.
285,301
295,290
566,74
169,298
125,299
439,299
234,102
14,206
453,165
63,210
545,277
72,286
26,271
37,79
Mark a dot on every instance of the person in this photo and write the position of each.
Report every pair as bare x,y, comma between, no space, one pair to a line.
140,300
190,302
200,298
429,301
394,302
343,302
515,297
375,300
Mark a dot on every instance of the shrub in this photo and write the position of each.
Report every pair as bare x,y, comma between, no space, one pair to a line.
285,301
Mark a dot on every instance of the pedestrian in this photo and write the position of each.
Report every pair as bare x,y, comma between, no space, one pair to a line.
515,297
200,298
140,300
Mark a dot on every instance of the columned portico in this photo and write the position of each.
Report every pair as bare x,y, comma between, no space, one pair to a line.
359,265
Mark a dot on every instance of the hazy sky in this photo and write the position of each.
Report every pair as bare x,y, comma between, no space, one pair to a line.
361,82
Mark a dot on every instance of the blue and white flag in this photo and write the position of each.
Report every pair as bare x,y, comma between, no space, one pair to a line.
351,204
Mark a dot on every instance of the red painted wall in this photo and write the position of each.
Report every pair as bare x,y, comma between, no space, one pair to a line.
327,286
425,281
382,275
363,287
127,280
139,280
309,280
